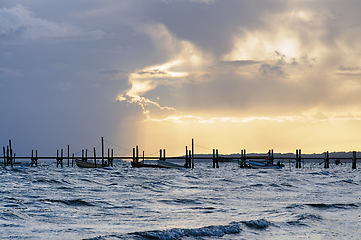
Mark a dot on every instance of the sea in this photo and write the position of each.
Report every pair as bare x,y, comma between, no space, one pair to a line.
49,202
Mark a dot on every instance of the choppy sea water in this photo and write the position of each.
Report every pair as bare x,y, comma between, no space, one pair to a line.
47,202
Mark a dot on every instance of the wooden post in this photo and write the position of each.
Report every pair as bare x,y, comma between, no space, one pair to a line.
160,154
270,156
95,157
214,158
102,152
164,154
82,155
217,158
108,157
186,158
4,156
61,157
192,153
86,155
34,160
133,154
326,161
298,158
7,156
11,154
243,158
72,161
68,155
57,158
189,158
354,160
137,154
143,156
112,157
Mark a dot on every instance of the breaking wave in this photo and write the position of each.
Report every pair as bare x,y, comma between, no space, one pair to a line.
209,231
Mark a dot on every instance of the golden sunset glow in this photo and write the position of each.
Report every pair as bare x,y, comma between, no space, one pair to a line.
228,74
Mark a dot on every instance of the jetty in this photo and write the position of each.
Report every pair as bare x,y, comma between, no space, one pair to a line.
94,161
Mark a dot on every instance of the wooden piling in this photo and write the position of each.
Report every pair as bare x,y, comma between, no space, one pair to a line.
34,160
4,156
7,156
270,156
10,155
217,159
133,155
68,155
214,158
326,161
110,161
108,157
192,153
62,157
160,155
113,157
189,159
163,154
102,152
298,158
137,154
354,160
72,161
95,157
59,160
243,158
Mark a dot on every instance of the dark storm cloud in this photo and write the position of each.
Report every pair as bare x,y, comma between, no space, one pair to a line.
267,69
59,60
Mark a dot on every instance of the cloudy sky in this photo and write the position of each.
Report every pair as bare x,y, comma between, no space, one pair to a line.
231,74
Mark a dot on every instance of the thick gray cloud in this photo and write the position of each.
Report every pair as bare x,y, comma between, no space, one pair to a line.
64,64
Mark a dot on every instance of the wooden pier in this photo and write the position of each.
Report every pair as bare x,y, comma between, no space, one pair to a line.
189,157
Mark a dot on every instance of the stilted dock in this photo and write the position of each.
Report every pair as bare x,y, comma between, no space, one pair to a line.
189,158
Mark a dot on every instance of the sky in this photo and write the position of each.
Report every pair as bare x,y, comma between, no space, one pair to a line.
232,75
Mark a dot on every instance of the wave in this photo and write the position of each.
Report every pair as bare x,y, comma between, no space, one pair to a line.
334,205
324,205
258,224
302,218
209,231
181,201
51,181
72,202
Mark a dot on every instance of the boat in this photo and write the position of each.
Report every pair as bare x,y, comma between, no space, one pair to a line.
263,165
142,164
164,164
84,164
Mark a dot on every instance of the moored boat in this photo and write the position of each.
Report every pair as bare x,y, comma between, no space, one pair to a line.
164,164
263,165
142,164
84,164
